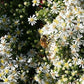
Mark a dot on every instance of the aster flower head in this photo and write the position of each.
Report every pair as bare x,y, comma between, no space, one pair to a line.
32,20
65,48
49,1
35,2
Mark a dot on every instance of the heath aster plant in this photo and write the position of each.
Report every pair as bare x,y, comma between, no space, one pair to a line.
65,36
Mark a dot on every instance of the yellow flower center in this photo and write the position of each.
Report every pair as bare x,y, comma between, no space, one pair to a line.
59,63
63,24
6,70
14,38
64,37
26,66
66,65
56,49
2,67
16,22
82,78
78,24
79,12
78,20
4,19
77,28
8,52
74,46
31,19
56,21
73,73
64,29
5,80
75,9
22,76
31,51
18,32
34,1
75,59
46,82
47,74
54,7
44,67
20,58
54,26
6,26
2,61
40,31
9,36
0,74
12,83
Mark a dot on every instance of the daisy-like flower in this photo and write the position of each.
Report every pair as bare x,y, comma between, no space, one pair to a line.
31,53
82,79
49,1
32,20
55,8
35,2
16,22
54,74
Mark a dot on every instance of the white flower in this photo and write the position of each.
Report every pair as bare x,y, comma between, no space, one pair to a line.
16,22
46,30
29,60
55,8
37,78
81,62
31,53
49,1
82,82
36,2
54,74
32,20
82,79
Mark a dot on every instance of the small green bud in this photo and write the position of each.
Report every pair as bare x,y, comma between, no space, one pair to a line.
46,52
35,41
25,3
23,10
16,10
14,14
21,16
19,5
22,22
41,50
5,4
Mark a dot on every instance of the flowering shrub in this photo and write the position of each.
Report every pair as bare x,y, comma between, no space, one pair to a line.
19,42
57,57
65,44
12,69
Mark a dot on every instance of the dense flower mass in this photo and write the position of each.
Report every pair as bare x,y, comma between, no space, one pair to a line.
42,41
13,69
18,40
66,44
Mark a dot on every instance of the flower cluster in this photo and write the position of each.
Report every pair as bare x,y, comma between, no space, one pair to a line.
7,69
57,57
12,69
19,45
49,8
4,23
65,36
